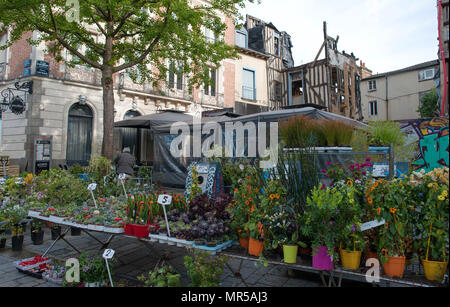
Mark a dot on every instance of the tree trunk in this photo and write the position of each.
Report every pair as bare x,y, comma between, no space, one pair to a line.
108,113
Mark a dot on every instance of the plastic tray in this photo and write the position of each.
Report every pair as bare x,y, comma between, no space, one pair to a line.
27,268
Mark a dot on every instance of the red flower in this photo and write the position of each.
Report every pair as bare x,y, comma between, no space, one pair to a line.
102,200
119,219
85,208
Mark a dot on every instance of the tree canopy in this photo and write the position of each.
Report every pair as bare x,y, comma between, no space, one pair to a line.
138,35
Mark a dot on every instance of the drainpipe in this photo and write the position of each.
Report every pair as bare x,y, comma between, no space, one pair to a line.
387,98
441,47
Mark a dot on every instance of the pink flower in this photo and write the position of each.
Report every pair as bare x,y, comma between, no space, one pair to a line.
327,176
368,159
324,171
364,173
352,167
329,163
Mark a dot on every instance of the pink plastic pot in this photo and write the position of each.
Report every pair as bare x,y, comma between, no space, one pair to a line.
321,259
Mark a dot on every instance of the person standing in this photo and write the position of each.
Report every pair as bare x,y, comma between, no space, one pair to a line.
125,163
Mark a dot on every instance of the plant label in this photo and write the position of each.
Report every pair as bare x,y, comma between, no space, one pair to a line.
108,253
122,176
165,199
92,187
372,224
2,180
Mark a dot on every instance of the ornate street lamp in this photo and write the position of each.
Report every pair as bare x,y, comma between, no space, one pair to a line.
13,102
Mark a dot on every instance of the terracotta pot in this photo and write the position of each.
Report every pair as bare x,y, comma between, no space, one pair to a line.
255,247
244,242
395,266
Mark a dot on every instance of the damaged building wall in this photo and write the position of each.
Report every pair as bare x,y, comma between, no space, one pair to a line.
332,82
265,38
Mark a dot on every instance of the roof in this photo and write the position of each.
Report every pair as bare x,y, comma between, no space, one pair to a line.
407,69
152,121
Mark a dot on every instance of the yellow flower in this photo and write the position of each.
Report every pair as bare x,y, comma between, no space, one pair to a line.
441,197
430,185
352,201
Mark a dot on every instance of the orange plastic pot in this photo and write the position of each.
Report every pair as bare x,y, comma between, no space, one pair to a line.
395,266
244,242
255,247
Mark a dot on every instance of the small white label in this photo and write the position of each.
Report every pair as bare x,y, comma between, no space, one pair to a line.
122,176
19,181
372,224
108,253
2,180
92,187
165,199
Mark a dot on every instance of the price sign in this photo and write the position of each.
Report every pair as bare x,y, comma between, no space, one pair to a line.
108,253
165,200
92,188
372,224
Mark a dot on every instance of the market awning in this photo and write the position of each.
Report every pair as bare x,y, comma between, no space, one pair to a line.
152,121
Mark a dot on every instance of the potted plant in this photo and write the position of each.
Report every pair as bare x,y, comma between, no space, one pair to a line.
319,224
164,276
3,239
391,204
16,214
433,222
37,233
93,272
256,242
55,231
141,228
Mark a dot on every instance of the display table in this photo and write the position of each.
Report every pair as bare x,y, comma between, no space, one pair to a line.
413,276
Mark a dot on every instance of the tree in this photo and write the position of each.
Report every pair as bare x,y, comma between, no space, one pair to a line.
429,106
137,35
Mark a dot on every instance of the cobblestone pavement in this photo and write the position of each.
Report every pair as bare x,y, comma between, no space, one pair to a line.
134,258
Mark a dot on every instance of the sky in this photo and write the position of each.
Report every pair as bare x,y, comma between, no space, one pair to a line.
385,34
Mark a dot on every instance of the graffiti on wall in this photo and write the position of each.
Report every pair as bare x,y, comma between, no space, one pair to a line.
432,137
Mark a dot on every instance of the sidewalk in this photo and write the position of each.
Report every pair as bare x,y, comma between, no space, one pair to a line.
134,258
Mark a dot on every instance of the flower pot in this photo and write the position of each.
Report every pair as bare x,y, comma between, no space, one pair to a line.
129,229
154,228
141,231
17,243
434,270
351,260
321,259
290,253
244,242
255,247
75,232
395,266
37,237
3,243
56,232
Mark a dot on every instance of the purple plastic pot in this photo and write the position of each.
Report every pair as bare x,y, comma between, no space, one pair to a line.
321,259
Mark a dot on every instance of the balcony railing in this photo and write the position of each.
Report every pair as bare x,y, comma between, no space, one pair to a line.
248,93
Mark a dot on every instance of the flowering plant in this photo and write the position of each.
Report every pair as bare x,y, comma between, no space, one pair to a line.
320,220
356,171
432,216
390,202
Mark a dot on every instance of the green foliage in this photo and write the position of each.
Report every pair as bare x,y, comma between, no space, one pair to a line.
384,133
203,269
164,276
320,218
429,105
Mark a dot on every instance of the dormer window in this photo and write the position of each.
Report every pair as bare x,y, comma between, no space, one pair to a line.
242,38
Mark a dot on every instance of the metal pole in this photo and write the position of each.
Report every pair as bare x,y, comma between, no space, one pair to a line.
391,162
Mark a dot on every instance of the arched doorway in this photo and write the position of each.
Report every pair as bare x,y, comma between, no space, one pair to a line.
79,135
131,137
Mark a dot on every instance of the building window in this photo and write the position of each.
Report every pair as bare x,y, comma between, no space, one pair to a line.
373,108
210,86
372,85
131,136
210,36
79,135
427,74
241,39
277,87
175,76
248,84
277,45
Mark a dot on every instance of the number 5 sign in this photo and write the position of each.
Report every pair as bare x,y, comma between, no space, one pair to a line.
165,200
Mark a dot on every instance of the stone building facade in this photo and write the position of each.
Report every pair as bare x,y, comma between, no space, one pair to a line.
67,103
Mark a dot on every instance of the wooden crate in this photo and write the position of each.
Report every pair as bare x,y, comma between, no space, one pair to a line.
11,170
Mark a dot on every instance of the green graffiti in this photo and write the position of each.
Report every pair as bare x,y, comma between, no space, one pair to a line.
434,151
